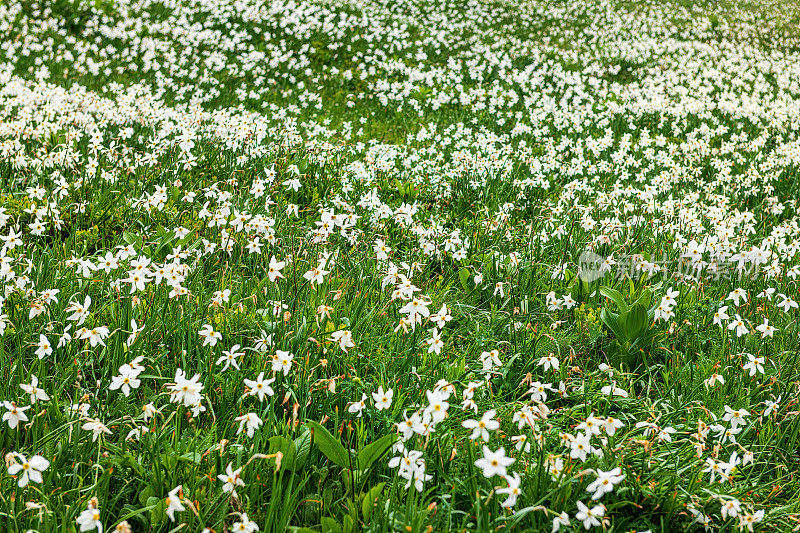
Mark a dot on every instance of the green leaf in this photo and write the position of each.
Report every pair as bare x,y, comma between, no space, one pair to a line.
329,525
644,298
610,320
636,321
329,445
133,239
373,451
616,297
192,457
287,448
146,494
158,510
463,277
370,499
303,446
348,524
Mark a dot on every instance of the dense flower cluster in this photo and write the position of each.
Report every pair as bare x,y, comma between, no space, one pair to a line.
228,225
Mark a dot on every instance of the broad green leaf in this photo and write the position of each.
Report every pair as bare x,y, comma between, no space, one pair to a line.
610,320
303,446
370,498
615,296
348,524
330,525
329,445
373,451
636,321
287,448
463,277
146,494
644,298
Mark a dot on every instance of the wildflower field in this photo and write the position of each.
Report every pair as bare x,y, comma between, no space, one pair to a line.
418,266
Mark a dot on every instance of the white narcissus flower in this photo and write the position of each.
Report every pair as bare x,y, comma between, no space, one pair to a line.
590,517
96,427
735,416
210,337
786,303
580,446
498,289
442,317
416,309
731,508
293,184
738,326
33,389
260,387
438,405
245,525
512,490
490,359
613,390
714,379
549,361
494,463
381,250
79,312
383,400
29,470
173,502
95,335
766,329
89,519
149,411
748,520
767,293
136,433
721,315
231,479
316,275
43,347
736,296
611,425
521,443
127,379
135,332
754,364
230,357
14,414
481,428
344,338
435,343
357,407
560,520
64,338
251,421
274,272
772,406
282,362
187,391
605,482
